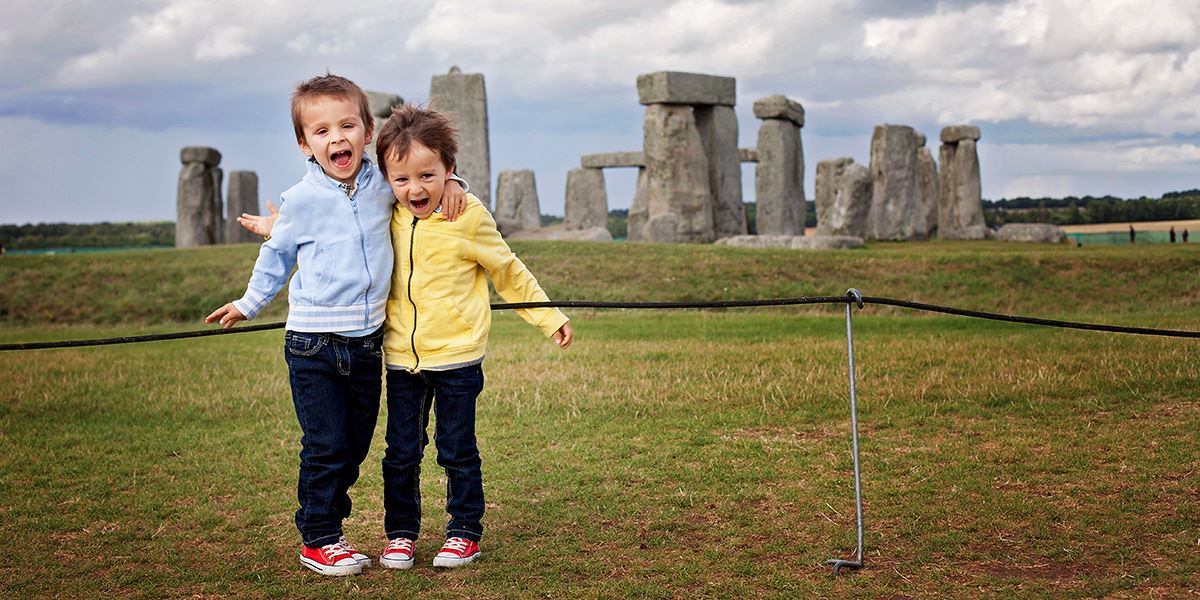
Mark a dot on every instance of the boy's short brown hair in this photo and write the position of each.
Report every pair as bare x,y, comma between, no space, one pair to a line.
329,85
410,124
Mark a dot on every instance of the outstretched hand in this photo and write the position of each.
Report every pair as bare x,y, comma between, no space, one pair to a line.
228,315
564,336
258,224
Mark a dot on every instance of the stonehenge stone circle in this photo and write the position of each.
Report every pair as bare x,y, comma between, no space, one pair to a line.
927,190
586,203
242,197
198,219
960,201
893,169
678,193
464,98
843,198
517,202
779,174
1045,233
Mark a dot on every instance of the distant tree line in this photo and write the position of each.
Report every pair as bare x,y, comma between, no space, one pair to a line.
1073,210
91,235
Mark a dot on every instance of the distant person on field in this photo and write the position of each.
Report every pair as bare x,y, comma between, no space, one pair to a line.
1172,234
333,228
1132,234
1185,236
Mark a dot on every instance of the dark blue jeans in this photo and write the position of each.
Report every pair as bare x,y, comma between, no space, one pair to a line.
452,396
336,385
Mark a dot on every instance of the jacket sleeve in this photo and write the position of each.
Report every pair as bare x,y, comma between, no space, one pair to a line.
511,278
276,258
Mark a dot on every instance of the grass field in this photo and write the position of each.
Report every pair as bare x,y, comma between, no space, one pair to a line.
667,454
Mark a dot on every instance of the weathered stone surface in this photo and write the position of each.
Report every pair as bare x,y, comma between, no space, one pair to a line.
673,87
973,232
200,154
893,168
749,154
960,201
560,233
843,198
242,197
464,98
612,160
719,131
677,182
517,202
779,107
639,210
957,133
1044,233
797,242
198,220
381,105
927,191
586,203
779,179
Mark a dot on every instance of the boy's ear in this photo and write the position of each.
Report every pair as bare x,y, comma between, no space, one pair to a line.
370,134
305,149
449,171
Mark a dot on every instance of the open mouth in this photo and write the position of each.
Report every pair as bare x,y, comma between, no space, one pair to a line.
418,205
341,159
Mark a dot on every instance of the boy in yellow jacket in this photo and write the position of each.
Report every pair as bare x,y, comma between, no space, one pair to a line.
438,316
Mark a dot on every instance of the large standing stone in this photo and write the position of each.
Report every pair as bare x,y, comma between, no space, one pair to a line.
779,179
586,203
927,190
960,201
894,212
672,87
639,210
242,197
719,131
198,201
843,198
517,202
677,189
464,98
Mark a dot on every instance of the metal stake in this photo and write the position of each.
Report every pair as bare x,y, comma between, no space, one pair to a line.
838,564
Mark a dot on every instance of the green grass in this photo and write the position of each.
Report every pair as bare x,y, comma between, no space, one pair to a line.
667,454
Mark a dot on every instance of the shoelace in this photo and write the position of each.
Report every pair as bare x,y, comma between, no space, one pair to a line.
346,546
329,550
456,543
404,544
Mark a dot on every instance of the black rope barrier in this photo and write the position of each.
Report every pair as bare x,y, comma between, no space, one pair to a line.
949,310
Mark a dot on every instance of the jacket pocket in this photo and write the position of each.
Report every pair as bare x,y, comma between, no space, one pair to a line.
339,260
303,344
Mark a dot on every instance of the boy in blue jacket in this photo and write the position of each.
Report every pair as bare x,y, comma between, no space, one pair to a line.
333,227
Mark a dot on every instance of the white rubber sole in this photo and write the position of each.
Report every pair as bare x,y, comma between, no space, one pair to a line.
330,570
389,563
364,562
450,562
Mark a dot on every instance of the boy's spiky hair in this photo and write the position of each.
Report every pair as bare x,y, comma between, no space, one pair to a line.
410,124
329,85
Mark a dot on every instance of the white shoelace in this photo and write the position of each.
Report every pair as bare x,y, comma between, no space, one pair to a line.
404,544
330,549
455,543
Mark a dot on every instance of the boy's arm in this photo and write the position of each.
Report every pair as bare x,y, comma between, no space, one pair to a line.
454,197
514,282
276,258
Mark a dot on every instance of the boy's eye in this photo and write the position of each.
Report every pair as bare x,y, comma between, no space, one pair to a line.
320,131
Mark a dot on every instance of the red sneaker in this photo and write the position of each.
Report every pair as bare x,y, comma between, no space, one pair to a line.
361,558
330,559
457,552
398,554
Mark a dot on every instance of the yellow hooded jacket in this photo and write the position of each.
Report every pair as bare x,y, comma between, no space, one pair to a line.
438,309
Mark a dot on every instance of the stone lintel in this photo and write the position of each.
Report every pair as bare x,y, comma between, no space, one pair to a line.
749,154
611,160
200,154
957,133
779,107
673,87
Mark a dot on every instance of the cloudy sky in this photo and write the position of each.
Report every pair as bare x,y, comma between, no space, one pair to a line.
1073,97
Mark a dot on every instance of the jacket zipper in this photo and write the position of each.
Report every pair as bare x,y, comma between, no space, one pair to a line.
362,243
413,335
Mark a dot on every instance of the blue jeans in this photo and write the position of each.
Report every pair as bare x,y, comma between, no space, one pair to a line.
336,385
452,396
